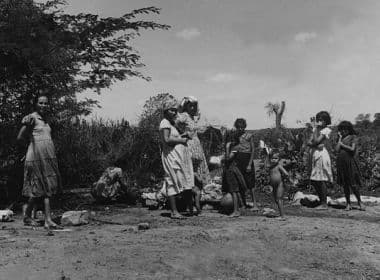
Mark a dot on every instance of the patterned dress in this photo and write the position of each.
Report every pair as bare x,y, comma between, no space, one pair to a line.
187,124
41,174
177,164
320,161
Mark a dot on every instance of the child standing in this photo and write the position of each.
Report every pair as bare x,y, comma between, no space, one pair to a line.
321,171
276,173
347,166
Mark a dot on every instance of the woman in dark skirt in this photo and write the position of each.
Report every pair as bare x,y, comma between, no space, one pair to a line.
347,166
244,159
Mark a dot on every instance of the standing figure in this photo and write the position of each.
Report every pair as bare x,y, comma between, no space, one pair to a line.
187,123
321,171
347,166
176,159
233,181
244,159
277,173
41,175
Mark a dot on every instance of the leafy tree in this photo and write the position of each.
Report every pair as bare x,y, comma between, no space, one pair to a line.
277,110
42,48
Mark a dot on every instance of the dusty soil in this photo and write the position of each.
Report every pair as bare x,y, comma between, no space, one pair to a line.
310,244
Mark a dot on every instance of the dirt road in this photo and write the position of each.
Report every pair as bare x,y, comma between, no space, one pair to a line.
331,244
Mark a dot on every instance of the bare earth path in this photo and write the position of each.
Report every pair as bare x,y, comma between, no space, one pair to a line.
332,244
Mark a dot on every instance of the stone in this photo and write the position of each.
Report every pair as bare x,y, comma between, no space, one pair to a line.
6,215
109,186
143,226
75,218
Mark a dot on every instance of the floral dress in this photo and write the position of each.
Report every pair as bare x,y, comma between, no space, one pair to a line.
187,124
320,161
177,164
41,174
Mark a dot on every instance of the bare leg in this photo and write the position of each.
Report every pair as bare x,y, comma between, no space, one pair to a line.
173,205
278,193
28,219
197,199
320,186
347,195
253,196
235,200
355,190
188,195
48,220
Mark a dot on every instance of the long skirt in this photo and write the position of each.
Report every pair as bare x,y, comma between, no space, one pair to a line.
41,174
242,160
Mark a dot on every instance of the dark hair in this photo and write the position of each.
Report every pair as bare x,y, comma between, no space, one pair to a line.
240,122
346,125
35,99
165,113
323,116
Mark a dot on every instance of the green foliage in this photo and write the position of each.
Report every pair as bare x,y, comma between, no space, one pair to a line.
42,48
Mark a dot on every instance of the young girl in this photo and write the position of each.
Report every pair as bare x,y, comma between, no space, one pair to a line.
41,175
346,164
276,174
176,159
321,172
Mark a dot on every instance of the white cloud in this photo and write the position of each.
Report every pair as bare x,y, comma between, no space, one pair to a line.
305,37
223,78
189,33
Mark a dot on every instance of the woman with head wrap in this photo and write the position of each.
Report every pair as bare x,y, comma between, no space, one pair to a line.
187,123
176,158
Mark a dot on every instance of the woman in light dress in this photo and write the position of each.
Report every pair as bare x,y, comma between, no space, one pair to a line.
321,171
176,159
187,122
41,175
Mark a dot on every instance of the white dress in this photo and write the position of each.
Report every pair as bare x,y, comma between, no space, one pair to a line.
177,164
321,163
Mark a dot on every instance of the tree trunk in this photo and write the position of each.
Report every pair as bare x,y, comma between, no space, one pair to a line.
279,115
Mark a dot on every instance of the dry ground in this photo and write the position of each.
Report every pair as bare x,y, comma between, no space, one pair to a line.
310,244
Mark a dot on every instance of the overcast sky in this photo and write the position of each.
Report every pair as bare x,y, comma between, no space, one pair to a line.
236,55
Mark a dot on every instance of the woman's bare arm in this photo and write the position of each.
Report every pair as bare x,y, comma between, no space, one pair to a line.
172,140
252,145
23,133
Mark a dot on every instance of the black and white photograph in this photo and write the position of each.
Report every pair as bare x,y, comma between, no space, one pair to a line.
189,139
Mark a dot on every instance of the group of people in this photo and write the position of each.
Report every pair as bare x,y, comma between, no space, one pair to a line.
185,165
186,168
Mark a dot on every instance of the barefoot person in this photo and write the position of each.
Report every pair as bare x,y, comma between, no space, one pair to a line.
176,158
187,123
244,158
346,164
276,174
321,172
233,181
41,175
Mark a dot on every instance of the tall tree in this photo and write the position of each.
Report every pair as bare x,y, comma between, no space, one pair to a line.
276,109
41,47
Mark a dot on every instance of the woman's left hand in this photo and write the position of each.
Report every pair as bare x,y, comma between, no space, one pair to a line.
249,168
